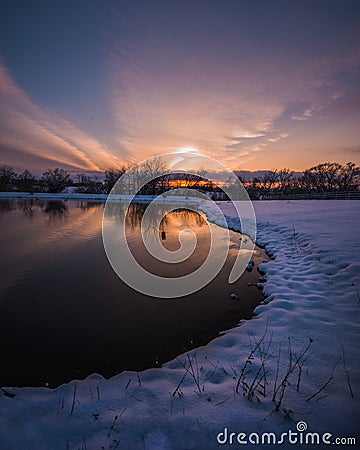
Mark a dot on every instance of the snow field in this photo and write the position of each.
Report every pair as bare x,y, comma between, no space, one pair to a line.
312,288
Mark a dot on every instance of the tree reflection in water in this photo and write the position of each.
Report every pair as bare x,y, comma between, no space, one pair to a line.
56,210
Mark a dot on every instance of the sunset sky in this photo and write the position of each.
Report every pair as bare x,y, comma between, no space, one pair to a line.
88,85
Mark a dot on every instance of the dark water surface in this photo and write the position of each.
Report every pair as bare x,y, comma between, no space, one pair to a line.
65,314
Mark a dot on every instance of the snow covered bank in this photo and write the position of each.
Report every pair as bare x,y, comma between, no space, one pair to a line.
98,197
297,360
51,196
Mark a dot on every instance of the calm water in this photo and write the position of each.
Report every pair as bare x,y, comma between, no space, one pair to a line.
64,312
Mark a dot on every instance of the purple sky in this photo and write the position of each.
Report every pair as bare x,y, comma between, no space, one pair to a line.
89,85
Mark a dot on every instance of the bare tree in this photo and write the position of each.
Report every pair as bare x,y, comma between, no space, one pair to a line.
81,178
285,178
269,180
111,177
331,176
7,177
153,169
89,185
26,181
349,177
56,179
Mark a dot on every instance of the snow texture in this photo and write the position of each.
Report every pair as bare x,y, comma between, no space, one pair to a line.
312,309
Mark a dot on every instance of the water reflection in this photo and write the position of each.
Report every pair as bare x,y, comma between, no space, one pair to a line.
27,207
180,219
53,208
56,210
133,215
89,205
7,205
65,313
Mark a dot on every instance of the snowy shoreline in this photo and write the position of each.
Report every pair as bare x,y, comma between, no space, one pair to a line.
51,196
312,288
121,198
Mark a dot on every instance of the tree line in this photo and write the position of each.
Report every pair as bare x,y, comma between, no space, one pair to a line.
55,181
325,178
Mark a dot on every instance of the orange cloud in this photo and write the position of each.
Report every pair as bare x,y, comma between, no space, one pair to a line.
39,134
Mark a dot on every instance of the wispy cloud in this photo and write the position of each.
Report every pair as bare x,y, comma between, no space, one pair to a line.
237,85
33,133
317,106
154,114
165,96
305,115
278,137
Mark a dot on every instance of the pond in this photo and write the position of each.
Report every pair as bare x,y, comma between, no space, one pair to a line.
65,313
